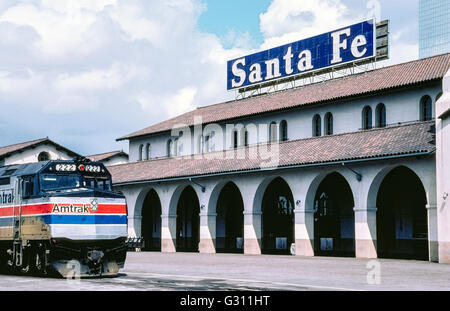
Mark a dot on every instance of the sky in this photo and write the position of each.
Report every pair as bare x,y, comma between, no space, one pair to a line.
85,72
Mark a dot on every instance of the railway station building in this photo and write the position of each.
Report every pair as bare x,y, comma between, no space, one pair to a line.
354,166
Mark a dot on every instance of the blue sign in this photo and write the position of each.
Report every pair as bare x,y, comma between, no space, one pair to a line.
349,44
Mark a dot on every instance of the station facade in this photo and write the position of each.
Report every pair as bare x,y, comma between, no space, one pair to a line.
354,166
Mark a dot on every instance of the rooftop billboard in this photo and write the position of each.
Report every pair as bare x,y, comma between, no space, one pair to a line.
349,44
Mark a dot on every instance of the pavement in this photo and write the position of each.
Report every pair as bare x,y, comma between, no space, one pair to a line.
152,271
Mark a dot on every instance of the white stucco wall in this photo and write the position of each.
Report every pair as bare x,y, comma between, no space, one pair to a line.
401,106
443,170
31,155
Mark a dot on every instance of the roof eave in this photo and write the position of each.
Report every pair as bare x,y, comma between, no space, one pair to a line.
343,98
335,162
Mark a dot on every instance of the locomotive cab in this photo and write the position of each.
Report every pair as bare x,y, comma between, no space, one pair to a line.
65,217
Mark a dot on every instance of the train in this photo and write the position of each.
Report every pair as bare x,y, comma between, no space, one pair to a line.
61,218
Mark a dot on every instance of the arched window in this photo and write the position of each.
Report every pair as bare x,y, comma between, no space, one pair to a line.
329,123
43,156
141,147
367,118
200,144
175,147
169,148
244,137
283,131
317,126
234,137
208,143
148,151
426,110
273,132
381,115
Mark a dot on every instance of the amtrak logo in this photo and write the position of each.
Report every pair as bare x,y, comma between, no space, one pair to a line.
94,205
70,209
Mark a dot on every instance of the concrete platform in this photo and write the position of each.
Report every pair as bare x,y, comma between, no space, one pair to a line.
192,271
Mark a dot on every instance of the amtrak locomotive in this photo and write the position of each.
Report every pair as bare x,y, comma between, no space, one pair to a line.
61,217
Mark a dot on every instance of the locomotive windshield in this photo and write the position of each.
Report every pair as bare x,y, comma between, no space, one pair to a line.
49,182
53,182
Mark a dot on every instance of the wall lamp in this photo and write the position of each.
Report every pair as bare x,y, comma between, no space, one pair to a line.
358,175
201,186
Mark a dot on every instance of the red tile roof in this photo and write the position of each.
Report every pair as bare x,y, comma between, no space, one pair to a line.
8,150
107,155
364,84
412,138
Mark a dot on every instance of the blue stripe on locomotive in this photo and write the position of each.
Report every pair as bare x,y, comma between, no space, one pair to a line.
74,220
85,219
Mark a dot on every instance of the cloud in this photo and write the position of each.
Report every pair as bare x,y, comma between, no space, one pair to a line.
87,72
291,20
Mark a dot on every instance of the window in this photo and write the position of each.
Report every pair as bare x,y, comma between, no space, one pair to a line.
283,131
234,137
140,152
206,143
381,115
273,132
367,118
50,182
200,144
175,147
426,108
43,156
317,126
148,151
244,136
169,148
329,123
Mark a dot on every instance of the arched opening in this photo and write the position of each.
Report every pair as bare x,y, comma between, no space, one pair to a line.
402,230
43,156
317,126
381,115
329,123
367,118
188,221
334,219
283,131
151,222
230,220
426,109
277,218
